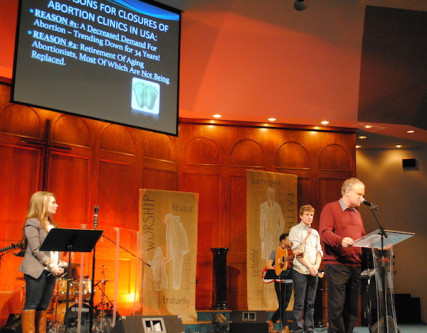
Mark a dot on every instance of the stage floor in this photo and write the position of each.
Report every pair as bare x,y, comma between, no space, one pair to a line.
404,328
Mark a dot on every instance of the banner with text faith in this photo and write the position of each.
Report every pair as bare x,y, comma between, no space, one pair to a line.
271,209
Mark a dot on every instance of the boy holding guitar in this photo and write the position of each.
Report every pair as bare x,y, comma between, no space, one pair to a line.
308,256
281,261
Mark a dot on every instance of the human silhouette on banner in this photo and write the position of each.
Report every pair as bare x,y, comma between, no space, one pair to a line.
176,247
271,224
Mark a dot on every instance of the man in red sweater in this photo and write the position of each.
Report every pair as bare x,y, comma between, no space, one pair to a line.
341,224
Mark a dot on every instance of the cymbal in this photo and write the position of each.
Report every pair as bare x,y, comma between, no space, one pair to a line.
103,267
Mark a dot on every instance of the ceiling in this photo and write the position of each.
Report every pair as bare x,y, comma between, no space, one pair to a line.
352,62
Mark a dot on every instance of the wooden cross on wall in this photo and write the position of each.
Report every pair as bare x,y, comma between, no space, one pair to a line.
46,147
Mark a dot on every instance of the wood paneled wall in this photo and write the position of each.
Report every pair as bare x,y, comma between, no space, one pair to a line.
95,163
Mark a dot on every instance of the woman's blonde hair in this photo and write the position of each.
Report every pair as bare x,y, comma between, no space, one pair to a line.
38,208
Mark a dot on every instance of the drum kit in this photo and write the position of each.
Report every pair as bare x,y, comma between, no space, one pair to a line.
66,314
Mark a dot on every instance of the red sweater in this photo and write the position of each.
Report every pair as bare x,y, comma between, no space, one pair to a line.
335,224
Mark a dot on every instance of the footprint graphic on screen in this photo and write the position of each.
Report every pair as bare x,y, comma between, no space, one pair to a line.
145,96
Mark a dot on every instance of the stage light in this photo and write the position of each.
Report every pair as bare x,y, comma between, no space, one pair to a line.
300,5
220,323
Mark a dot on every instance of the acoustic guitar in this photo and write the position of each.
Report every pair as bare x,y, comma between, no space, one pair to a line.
282,260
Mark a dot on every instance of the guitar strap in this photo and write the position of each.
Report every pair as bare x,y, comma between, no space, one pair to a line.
305,239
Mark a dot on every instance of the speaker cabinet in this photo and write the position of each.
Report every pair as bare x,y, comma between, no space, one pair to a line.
249,328
249,316
409,163
249,322
145,324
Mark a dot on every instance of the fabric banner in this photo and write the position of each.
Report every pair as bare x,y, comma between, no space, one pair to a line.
168,231
271,209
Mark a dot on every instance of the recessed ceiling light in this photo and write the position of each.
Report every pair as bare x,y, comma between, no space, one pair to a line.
358,146
398,146
368,126
217,115
324,122
271,119
410,131
362,137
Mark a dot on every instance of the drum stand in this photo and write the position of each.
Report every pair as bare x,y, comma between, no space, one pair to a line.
54,324
101,317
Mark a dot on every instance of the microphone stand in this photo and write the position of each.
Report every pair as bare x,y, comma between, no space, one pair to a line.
95,226
125,249
383,233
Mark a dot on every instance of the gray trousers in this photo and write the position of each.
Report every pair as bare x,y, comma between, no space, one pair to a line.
305,288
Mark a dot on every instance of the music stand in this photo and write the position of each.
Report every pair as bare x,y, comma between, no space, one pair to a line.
70,240
378,241
270,274
374,239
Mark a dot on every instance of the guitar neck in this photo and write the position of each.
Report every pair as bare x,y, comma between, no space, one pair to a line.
8,248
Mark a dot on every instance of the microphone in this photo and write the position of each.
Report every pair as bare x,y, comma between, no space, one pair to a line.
369,204
95,217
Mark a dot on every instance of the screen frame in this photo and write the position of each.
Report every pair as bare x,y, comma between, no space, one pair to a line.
142,127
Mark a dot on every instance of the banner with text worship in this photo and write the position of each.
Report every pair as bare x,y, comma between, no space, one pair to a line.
271,209
168,231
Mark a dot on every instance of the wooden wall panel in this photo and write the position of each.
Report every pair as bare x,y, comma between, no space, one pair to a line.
292,155
159,179
236,226
118,139
103,164
69,180
335,157
330,189
248,153
236,289
236,229
71,130
204,289
159,146
209,188
117,195
19,179
208,185
202,151
20,120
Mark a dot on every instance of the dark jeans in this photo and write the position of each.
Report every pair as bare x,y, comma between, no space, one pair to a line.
283,292
39,291
343,297
305,287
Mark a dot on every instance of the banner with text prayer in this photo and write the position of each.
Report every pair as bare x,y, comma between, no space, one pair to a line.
168,230
271,209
